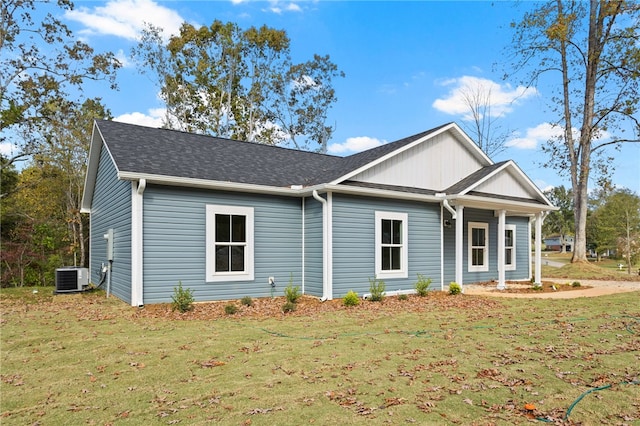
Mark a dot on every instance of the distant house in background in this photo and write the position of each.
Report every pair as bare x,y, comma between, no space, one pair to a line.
229,218
555,243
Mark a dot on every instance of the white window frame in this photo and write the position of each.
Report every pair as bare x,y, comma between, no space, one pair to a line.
212,275
485,263
510,266
403,272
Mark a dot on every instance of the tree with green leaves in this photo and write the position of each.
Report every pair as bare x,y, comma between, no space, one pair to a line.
592,51
43,71
559,222
241,84
615,225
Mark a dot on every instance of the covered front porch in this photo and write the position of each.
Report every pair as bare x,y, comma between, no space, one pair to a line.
490,239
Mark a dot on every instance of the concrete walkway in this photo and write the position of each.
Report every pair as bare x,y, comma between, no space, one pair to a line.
598,288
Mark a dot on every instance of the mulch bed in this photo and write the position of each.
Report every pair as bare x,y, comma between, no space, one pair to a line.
264,308
547,287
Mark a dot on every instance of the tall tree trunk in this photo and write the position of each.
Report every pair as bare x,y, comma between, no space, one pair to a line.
583,158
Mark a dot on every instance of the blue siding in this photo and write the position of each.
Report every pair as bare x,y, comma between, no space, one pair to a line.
174,243
523,265
486,216
111,208
354,242
313,247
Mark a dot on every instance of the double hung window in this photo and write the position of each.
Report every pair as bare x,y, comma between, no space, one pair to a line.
510,247
391,241
229,243
478,239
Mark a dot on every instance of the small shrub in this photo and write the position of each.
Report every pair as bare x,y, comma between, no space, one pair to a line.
538,288
422,286
351,299
575,284
403,296
182,299
230,309
291,292
247,301
454,288
376,288
288,307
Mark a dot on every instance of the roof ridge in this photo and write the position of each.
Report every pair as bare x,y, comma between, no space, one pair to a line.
220,138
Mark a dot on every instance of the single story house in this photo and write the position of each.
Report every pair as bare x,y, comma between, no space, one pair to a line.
229,219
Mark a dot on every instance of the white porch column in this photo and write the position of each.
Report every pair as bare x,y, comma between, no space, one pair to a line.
501,228
459,245
538,249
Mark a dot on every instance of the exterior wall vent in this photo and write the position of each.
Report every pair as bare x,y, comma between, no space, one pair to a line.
71,279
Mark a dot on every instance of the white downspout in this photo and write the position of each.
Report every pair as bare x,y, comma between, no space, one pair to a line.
446,205
303,245
325,263
137,254
459,245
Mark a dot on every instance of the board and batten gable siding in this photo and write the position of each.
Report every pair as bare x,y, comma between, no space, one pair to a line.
354,242
504,184
486,216
313,247
175,241
427,165
111,209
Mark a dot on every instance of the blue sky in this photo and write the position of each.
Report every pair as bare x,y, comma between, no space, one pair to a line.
405,63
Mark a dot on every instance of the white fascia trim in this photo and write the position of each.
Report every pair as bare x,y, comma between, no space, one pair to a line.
211,184
522,178
274,190
497,204
382,193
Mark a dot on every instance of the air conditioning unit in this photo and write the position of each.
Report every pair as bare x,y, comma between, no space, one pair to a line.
71,279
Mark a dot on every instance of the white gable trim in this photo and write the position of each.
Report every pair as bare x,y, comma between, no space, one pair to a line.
513,207
475,150
95,148
521,177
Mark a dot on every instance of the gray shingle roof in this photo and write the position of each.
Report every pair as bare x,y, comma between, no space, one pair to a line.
173,153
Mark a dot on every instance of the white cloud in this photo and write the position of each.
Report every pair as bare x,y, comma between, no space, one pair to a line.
152,119
6,149
545,132
126,18
123,59
356,144
500,98
278,7
536,135
543,185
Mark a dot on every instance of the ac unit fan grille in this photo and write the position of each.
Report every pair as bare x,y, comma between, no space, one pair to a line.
67,280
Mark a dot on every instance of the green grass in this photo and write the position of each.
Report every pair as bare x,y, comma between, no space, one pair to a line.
85,359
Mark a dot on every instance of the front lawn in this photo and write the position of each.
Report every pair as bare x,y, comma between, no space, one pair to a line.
86,359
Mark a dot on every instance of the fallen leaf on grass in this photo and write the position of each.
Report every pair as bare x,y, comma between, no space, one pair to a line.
212,363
